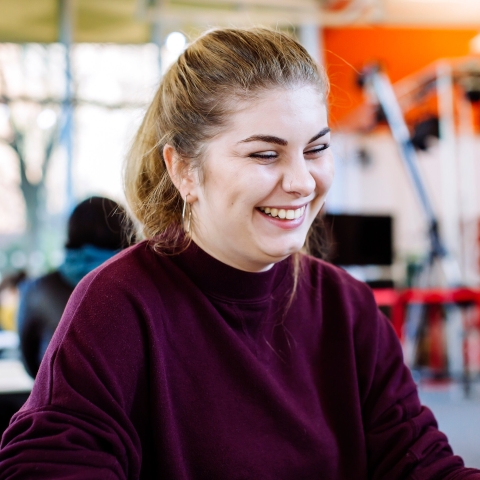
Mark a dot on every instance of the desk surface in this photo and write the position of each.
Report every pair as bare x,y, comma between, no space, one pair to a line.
390,296
13,377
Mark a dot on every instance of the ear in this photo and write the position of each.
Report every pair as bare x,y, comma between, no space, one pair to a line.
182,177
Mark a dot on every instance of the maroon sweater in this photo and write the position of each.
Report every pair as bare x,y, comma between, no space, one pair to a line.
183,368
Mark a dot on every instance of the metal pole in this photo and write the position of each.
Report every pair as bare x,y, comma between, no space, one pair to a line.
468,197
310,37
157,33
448,159
66,12
387,99
385,94
157,38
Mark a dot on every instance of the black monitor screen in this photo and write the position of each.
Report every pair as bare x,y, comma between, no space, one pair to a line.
359,239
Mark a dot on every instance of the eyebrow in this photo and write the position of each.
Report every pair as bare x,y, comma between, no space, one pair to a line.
320,134
281,141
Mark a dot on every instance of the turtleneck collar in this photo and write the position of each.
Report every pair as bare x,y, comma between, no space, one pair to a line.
223,281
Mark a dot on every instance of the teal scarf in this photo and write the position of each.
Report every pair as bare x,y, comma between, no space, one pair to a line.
80,261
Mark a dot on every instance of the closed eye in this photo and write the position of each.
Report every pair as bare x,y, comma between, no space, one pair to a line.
271,155
317,149
264,155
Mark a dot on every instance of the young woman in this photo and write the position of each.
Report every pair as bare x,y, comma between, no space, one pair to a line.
215,349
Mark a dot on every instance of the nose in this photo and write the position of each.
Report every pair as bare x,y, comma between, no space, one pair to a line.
297,178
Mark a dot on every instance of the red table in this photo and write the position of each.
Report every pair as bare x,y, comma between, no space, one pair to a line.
434,299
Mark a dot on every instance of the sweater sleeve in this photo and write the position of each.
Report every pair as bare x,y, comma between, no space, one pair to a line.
77,423
402,436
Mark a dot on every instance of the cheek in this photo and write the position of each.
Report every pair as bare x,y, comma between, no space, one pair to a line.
228,195
324,175
328,179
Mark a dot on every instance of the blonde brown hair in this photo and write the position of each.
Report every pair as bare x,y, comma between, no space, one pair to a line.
193,103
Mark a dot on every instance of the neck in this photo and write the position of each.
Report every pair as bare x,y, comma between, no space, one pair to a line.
230,260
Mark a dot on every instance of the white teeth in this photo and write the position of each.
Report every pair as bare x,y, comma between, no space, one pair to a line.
282,213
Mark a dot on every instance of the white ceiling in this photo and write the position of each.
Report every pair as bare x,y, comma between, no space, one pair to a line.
130,21
430,12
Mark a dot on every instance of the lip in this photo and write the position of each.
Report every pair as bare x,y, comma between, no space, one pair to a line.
284,207
285,224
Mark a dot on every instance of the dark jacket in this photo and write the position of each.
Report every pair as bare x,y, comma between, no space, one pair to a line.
42,304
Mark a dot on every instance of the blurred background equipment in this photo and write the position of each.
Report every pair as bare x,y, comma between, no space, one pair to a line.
359,239
379,86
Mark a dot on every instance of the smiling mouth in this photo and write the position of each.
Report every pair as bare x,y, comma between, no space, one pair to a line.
282,213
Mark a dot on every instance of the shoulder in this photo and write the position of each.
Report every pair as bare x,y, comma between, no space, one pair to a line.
131,268
135,277
112,305
334,283
134,259
346,304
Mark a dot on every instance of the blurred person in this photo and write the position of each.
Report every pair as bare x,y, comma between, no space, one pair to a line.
97,229
217,349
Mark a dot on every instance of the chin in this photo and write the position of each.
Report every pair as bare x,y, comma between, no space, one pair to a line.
283,252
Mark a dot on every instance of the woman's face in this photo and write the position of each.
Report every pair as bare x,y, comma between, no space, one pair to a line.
264,179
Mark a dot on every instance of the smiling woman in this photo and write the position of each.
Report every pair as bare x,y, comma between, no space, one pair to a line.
215,349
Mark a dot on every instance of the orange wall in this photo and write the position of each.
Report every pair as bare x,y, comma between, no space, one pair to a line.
402,51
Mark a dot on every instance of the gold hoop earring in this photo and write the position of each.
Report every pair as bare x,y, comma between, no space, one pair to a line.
186,215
